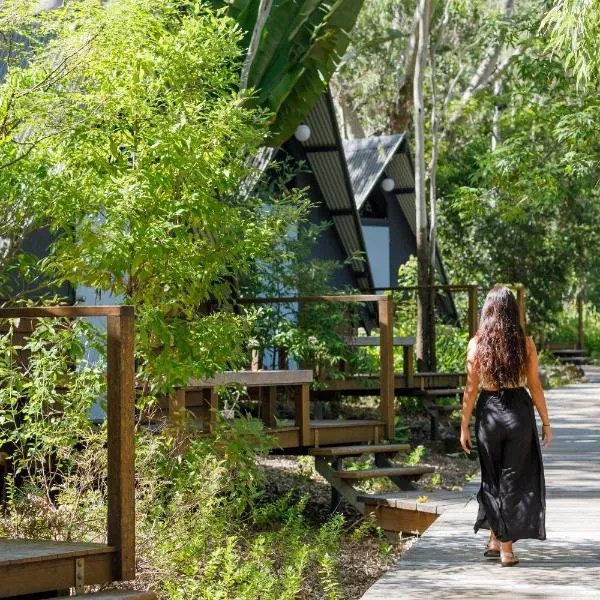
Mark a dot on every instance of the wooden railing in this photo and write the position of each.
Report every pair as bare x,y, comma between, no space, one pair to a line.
120,420
385,309
472,292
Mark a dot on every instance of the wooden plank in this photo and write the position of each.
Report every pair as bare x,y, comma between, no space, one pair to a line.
375,340
56,573
268,405
343,489
301,299
120,425
473,316
254,378
356,450
303,413
401,520
66,311
409,365
385,472
116,595
386,358
19,551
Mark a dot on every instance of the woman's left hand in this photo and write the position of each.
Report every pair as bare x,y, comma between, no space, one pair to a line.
546,435
465,439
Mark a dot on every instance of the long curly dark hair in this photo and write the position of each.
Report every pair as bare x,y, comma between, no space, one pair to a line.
501,348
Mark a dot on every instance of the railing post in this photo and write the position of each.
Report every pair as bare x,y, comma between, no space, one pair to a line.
303,414
521,304
580,340
121,451
473,312
386,357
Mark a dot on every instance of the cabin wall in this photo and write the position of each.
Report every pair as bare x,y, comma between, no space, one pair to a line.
402,240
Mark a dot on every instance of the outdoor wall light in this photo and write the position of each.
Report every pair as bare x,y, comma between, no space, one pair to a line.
388,184
302,132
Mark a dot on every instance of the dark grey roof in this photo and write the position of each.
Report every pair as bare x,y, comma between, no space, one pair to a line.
367,158
373,158
325,154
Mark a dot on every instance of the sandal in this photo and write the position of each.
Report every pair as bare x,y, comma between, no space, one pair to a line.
508,563
492,550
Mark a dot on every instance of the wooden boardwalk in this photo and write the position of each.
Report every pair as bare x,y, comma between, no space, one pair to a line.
447,561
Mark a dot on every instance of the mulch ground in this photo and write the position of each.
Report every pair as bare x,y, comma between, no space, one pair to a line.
362,559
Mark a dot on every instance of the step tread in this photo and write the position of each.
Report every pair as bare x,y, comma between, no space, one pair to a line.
439,392
358,449
385,472
436,502
115,595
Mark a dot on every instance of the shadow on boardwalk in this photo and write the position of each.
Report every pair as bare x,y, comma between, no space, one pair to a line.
447,562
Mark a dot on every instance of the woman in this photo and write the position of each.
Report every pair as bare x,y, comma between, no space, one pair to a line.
502,360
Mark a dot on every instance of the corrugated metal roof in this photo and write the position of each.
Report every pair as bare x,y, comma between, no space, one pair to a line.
367,158
327,161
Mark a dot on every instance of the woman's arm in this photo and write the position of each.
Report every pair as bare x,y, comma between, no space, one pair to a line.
469,396
537,391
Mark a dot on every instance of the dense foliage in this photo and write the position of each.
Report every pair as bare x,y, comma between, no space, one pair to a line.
517,193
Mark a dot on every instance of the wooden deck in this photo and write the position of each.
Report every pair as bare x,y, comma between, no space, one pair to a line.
32,566
324,432
447,561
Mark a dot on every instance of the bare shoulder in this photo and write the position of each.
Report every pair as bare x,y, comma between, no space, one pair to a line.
530,347
472,346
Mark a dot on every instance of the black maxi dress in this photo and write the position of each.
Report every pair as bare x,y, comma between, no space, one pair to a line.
512,496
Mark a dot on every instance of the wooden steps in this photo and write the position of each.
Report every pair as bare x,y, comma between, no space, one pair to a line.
358,450
390,472
410,512
35,566
115,595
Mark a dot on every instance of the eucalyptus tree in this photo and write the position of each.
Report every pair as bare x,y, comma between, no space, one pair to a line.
465,48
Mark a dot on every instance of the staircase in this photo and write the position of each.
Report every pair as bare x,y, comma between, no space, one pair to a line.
328,462
572,356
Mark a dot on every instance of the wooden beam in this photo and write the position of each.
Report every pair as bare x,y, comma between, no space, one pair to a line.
520,288
15,312
409,365
580,333
342,488
268,405
327,298
473,311
386,357
120,422
303,413
254,378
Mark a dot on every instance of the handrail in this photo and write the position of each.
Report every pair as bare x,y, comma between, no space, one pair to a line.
120,409
16,312
325,298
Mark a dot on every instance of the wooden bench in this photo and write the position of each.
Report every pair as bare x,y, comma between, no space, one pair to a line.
202,395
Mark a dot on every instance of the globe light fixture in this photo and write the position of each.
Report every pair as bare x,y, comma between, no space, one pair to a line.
302,132
388,184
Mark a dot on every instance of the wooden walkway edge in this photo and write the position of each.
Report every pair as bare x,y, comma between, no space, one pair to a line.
447,561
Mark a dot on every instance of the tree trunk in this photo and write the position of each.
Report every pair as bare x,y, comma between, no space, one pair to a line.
424,310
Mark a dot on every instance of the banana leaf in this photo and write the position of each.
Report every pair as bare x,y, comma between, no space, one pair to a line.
300,47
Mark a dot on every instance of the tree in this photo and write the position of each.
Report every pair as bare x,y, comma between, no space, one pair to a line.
149,166
467,49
